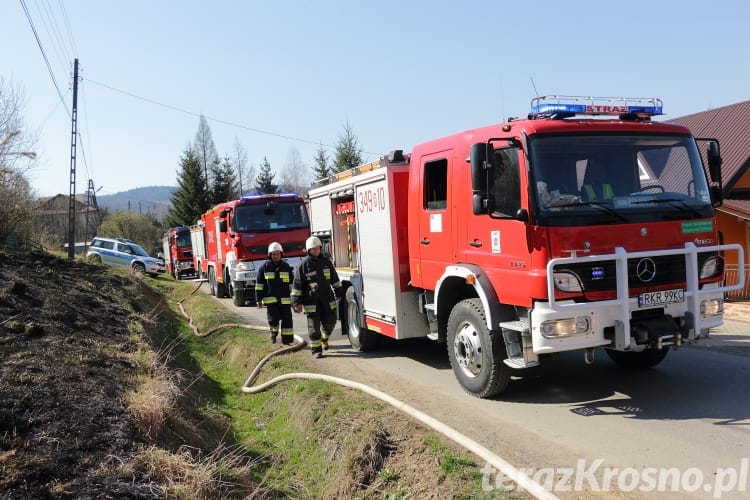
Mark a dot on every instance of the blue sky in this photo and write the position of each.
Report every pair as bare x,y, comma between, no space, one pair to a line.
399,72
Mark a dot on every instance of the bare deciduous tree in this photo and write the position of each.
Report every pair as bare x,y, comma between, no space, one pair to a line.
16,143
294,176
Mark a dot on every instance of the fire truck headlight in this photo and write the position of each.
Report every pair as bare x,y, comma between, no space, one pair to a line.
567,326
710,267
567,282
245,266
712,307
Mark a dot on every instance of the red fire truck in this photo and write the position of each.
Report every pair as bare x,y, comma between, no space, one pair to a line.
178,252
585,225
231,240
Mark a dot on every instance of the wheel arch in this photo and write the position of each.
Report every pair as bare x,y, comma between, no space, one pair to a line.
454,286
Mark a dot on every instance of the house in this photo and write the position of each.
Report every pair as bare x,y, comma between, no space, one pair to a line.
52,213
731,126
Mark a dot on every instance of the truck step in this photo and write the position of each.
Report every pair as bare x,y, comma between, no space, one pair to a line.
517,326
519,363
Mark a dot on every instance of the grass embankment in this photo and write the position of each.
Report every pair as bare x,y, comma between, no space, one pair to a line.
305,439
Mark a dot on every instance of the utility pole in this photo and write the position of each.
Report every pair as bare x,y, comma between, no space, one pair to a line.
74,134
91,204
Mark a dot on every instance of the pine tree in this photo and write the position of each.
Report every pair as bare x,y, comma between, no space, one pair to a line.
191,199
264,181
321,170
348,152
205,150
224,186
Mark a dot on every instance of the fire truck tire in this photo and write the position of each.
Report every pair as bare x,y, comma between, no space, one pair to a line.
221,289
476,354
238,296
638,360
228,285
360,337
211,282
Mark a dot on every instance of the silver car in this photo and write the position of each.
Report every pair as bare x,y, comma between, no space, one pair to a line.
122,252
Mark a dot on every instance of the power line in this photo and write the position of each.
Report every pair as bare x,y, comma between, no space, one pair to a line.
44,55
217,120
67,27
50,24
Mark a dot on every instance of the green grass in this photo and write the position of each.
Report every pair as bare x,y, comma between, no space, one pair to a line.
303,435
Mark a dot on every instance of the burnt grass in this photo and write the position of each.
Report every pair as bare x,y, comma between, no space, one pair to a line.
70,337
65,335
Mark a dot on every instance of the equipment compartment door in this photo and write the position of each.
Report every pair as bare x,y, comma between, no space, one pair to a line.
377,248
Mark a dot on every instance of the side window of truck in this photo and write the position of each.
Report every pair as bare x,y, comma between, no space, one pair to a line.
436,184
507,183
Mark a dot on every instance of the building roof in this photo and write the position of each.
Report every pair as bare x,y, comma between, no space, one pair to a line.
731,126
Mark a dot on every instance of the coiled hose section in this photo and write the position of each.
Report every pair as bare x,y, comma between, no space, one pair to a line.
469,444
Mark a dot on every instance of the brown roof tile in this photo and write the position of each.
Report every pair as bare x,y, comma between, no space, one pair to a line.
731,126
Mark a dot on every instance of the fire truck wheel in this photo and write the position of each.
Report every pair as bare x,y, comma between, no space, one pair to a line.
360,337
228,286
476,354
212,281
638,360
238,296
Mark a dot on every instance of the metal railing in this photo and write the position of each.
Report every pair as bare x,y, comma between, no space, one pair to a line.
732,277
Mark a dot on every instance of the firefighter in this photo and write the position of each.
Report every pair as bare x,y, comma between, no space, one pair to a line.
313,291
272,289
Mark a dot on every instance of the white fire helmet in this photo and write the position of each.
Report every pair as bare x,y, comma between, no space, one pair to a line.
275,247
312,242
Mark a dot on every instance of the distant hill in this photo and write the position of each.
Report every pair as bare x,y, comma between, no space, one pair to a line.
150,199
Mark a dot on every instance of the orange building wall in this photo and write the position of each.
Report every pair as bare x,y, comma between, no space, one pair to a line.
733,229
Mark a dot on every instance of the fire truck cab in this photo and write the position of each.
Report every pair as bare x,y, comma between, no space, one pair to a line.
231,240
584,226
178,252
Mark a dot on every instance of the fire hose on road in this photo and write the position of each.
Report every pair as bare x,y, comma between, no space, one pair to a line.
469,444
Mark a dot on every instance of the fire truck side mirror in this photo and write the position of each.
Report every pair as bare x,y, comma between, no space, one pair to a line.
717,197
223,226
714,160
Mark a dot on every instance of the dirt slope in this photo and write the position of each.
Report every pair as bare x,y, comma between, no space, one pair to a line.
65,363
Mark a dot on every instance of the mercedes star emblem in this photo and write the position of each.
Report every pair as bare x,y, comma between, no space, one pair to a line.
646,269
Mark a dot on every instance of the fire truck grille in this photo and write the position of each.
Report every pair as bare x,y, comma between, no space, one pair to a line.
655,271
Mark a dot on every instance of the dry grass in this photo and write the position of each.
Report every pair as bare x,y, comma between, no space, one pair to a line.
222,472
155,397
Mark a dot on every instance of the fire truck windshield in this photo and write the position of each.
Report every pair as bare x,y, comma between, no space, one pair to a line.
269,217
608,178
183,239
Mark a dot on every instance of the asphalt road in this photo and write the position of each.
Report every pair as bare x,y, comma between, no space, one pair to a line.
691,412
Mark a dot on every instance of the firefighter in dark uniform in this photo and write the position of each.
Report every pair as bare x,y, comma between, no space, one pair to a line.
272,289
313,291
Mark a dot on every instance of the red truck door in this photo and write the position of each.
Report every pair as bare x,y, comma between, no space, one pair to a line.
436,211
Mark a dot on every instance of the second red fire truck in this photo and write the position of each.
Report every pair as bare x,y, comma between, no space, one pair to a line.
584,226
178,252
231,240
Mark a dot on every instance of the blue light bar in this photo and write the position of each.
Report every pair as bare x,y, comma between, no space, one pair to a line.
594,106
264,196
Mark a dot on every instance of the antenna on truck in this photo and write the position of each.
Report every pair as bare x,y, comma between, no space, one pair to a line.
533,85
